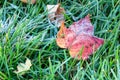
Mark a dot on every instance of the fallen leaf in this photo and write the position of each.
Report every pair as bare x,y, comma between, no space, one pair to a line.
83,26
55,14
89,44
79,35
29,1
22,67
65,36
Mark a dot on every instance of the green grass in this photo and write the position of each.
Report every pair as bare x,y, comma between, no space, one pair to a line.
25,32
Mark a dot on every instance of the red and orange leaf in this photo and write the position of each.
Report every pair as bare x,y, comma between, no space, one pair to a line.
61,36
89,44
62,30
83,26
79,39
65,36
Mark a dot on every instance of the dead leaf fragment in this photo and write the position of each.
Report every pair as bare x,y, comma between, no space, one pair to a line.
55,14
80,35
22,67
29,1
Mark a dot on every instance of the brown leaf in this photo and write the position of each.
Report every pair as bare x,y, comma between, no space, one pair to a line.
55,14
29,1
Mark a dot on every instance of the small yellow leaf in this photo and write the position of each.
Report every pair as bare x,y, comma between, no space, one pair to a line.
22,67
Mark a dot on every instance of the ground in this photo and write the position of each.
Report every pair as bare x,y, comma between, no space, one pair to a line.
26,32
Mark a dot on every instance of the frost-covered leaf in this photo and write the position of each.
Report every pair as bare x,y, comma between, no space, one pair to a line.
22,67
79,38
